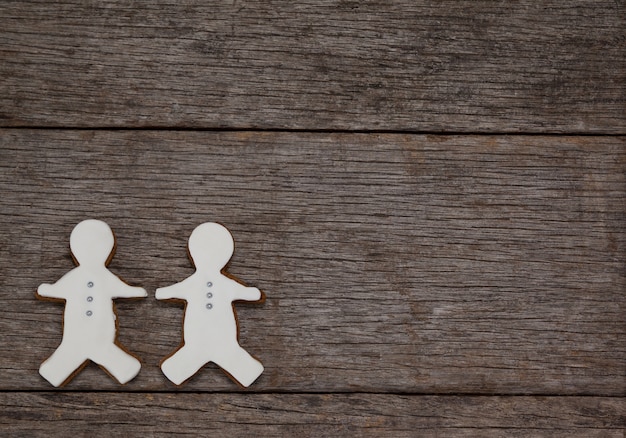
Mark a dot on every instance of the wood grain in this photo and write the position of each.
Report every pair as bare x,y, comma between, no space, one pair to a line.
391,263
310,415
441,66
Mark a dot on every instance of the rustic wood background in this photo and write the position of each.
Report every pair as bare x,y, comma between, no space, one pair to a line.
432,195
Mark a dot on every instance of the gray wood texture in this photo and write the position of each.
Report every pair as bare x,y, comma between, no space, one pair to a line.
549,66
432,195
308,415
391,263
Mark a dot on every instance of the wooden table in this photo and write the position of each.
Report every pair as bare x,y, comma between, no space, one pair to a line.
431,194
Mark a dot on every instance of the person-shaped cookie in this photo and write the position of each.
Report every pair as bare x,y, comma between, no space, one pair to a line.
89,321
210,325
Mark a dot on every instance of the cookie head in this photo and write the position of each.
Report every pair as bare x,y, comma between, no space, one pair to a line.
211,246
92,242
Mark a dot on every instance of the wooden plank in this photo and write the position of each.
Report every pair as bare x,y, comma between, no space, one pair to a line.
391,263
456,66
103,414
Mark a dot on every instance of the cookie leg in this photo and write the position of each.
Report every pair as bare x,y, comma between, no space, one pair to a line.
117,362
60,366
238,363
183,364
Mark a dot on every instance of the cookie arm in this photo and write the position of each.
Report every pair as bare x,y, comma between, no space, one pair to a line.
47,290
178,290
119,289
126,291
244,293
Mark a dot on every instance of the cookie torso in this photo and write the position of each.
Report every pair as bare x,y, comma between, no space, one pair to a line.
209,315
89,319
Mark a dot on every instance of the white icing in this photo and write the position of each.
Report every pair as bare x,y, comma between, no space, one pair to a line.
210,327
89,321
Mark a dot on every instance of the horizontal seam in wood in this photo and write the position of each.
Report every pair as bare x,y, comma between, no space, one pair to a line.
317,131
300,393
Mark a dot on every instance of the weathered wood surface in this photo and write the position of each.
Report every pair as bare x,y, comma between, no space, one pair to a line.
549,66
391,263
309,415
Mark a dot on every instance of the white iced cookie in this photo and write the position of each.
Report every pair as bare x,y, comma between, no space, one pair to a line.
89,326
210,325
